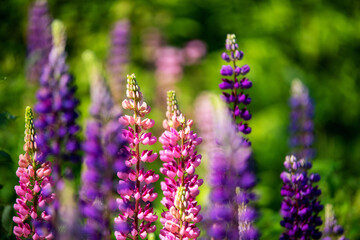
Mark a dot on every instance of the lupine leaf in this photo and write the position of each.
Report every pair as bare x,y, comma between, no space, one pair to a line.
6,219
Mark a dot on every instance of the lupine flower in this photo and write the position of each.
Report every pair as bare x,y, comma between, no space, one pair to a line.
33,195
234,80
181,185
300,207
302,125
229,215
332,230
136,194
194,50
204,118
118,58
57,115
103,107
38,39
103,160
246,178
169,67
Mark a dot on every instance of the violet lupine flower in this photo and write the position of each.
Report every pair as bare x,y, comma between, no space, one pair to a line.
38,39
136,194
300,207
181,185
118,58
230,216
245,177
234,80
103,107
105,155
332,230
34,181
302,125
57,116
103,160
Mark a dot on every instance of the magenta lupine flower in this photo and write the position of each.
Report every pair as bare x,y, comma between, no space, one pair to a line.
300,207
33,195
181,185
136,194
234,80
302,126
118,58
56,123
38,39
169,68
332,230
105,155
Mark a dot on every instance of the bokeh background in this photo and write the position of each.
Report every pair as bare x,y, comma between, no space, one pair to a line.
316,41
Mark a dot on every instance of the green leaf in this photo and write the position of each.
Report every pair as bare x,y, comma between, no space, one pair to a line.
5,159
6,219
5,118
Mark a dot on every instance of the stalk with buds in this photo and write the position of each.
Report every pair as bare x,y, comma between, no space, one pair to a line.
136,214
181,185
34,191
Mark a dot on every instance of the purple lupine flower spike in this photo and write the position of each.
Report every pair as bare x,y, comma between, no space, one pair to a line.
136,194
302,126
230,216
332,230
300,207
38,40
234,80
34,181
103,107
181,185
118,58
103,159
56,108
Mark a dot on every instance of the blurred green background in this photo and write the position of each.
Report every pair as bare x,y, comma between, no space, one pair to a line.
317,41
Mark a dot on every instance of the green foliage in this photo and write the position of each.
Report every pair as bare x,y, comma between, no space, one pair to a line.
316,41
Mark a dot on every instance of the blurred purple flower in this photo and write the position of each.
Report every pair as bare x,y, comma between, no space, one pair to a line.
119,58
39,40
56,109
332,230
301,126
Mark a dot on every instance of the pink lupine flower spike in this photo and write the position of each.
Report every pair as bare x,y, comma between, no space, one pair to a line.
181,184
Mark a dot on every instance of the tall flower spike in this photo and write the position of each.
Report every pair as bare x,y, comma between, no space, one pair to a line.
230,216
234,80
332,230
136,194
301,126
102,158
103,107
38,39
33,194
118,58
56,122
181,185
300,206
